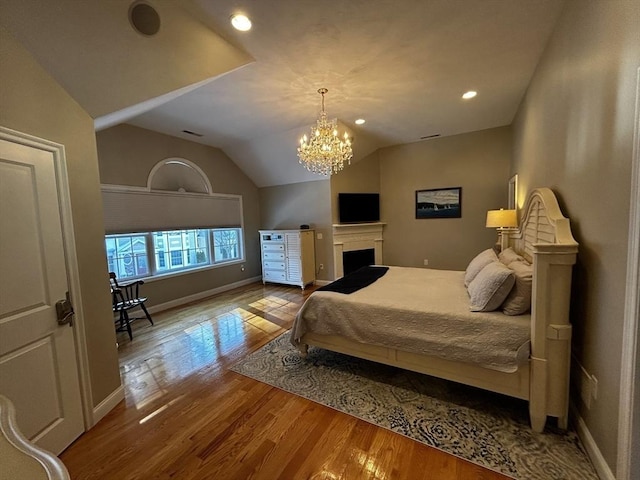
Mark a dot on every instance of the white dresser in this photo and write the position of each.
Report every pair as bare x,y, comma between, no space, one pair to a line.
288,256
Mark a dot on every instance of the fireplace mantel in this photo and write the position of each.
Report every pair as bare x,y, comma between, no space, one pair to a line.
356,236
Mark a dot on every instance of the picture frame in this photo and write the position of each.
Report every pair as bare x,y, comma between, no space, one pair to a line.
439,203
512,201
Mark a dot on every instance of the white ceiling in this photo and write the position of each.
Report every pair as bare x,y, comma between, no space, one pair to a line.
402,65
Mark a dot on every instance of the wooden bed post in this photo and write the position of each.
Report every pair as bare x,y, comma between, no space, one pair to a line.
545,236
550,335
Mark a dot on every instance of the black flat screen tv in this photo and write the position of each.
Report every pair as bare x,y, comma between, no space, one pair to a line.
359,207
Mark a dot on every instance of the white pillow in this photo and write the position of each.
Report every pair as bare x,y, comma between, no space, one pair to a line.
519,299
509,255
490,287
478,263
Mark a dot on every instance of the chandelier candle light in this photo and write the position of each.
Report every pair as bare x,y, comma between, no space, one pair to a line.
324,152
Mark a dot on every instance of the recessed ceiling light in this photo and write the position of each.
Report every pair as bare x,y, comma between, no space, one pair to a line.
469,94
360,121
241,22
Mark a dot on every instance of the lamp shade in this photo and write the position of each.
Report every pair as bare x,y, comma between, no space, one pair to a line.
502,218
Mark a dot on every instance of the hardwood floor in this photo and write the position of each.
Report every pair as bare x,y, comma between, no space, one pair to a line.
187,416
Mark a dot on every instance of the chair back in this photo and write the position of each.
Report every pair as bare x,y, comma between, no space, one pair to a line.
129,292
113,281
125,297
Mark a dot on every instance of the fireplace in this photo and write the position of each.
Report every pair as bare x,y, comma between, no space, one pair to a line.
355,259
349,238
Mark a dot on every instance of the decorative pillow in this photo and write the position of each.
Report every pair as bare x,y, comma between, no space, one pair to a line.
519,299
490,287
509,255
478,263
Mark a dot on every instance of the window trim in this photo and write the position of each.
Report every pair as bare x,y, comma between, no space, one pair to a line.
242,244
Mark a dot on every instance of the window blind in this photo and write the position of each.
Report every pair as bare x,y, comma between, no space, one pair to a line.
139,211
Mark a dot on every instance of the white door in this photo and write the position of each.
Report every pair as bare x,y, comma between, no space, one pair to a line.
38,369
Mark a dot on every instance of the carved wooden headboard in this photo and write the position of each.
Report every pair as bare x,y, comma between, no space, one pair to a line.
542,223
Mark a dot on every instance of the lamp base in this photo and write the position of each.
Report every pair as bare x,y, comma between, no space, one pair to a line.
503,238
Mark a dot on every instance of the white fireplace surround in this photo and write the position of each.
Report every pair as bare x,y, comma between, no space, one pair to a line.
356,236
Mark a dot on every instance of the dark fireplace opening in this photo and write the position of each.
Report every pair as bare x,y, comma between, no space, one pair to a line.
353,260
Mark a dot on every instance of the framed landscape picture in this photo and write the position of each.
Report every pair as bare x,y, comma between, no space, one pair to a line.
439,203
513,193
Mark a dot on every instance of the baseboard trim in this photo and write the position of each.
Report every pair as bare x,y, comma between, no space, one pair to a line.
602,468
322,283
200,295
108,404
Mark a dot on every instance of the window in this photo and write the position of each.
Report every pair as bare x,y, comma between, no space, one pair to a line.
131,255
127,255
161,261
177,249
176,258
225,245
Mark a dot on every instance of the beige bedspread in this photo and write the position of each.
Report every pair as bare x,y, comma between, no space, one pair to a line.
422,311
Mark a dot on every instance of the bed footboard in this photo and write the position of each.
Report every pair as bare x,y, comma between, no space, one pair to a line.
514,384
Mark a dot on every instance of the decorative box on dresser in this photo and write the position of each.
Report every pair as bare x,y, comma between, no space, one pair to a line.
288,256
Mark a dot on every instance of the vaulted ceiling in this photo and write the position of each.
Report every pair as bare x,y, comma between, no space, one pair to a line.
401,65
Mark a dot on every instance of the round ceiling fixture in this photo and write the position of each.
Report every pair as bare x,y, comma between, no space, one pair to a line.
144,18
469,94
360,121
241,22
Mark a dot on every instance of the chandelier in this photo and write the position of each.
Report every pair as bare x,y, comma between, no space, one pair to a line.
324,152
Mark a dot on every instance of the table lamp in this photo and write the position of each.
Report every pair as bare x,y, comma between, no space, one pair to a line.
502,220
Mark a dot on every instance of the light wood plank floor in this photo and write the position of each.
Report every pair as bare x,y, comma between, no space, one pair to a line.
187,416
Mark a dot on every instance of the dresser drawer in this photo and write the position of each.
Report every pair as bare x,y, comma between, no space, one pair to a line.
273,256
275,275
273,247
273,265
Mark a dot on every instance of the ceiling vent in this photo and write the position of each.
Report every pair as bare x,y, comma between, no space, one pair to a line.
144,18
430,136
189,132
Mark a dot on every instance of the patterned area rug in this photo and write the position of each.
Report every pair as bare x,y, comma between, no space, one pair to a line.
489,429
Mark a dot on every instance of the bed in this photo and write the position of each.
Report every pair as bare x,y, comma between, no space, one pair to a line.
524,356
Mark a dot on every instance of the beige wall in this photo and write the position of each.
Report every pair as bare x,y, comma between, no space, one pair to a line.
573,132
361,177
126,156
289,206
32,102
478,162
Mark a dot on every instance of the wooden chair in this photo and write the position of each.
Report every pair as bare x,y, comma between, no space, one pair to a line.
124,298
